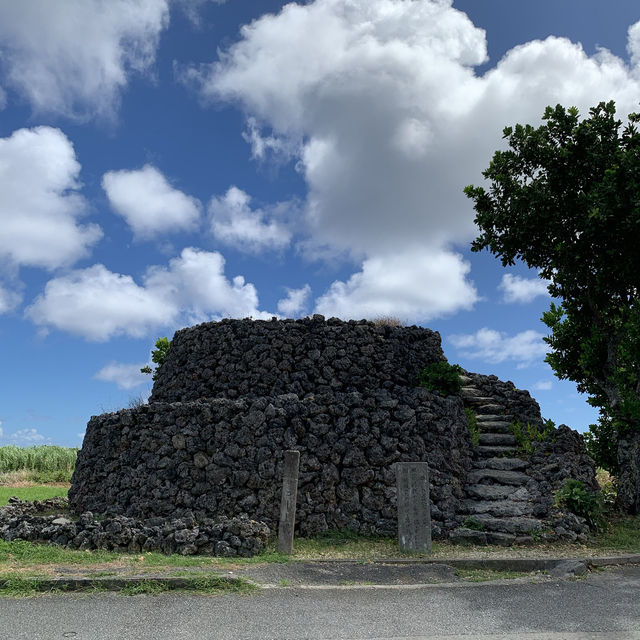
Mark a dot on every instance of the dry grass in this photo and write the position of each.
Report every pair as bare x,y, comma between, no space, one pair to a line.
25,478
388,321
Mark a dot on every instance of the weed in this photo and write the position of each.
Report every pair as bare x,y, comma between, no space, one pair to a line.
285,582
527,435
472,422
471,523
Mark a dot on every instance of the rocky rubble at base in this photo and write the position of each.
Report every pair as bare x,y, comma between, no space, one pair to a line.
49,521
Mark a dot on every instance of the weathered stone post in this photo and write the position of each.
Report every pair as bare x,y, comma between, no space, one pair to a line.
288,502
414,508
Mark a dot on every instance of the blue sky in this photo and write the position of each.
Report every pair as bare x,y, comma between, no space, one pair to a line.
164,163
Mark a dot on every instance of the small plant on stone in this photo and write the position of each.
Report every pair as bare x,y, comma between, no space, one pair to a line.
158,355
526,435
471,523
587,504
474,430
441,377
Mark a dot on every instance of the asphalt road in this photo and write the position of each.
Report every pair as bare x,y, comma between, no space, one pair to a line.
604,605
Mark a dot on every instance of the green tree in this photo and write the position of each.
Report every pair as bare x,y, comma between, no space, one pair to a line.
158,355
565,199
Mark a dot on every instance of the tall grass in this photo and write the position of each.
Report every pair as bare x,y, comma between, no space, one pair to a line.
45,460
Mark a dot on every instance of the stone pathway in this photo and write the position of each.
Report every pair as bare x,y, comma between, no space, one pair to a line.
497,503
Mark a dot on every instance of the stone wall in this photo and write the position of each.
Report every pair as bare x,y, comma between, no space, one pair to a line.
233,395
224,457
250,359
48,521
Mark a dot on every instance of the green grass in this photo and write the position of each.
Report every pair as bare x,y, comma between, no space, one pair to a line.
622,534
30,493
205,585
46,458
21,587
20,553
146,587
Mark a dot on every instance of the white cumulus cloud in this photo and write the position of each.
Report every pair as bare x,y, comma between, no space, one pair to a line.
25,437
235,223
386,118
98,304
125,375
543,385
295,302
148,202
74,58
414,286
634,44
518,289
9,300
40,204
524,348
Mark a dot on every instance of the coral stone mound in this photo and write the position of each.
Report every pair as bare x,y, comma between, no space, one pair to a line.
233,396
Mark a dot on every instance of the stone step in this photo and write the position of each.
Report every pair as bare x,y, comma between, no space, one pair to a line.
496,508
497,492
497,439
497,476
495,427
492,452
470,392
510,524
503,464
470,536
488,417
466,380
483,409
478,399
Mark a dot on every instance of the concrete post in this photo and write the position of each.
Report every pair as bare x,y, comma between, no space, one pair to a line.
288,502
414,508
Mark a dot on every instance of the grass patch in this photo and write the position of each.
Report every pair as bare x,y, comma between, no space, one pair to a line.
23,553
621,534
345,544
486,575
31,493
205,585
22,587
146,587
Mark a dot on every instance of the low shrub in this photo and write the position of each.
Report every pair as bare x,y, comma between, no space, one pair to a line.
471,523
441,377
608,487
587,504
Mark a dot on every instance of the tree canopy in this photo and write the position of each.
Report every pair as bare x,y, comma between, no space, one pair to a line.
565,199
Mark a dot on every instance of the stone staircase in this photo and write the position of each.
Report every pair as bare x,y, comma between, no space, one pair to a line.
497,507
